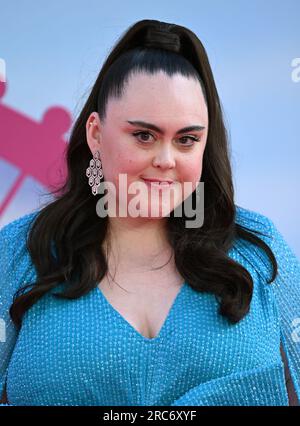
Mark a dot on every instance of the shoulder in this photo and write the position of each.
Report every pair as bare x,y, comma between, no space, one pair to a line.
255,221
19,227
265,229
268,232
262,227
15,260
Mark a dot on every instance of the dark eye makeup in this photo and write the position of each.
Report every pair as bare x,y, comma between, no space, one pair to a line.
192,138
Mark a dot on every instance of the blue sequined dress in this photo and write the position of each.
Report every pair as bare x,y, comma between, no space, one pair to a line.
83,352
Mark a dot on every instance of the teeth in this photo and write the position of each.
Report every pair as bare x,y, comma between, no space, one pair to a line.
161,183
153,182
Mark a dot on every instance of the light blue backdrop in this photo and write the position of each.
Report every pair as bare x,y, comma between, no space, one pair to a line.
54,50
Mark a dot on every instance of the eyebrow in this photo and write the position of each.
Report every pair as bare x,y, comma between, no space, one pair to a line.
151,126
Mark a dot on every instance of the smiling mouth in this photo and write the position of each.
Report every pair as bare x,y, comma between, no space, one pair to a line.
158,184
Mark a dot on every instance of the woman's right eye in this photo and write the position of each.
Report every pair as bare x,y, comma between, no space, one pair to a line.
136,134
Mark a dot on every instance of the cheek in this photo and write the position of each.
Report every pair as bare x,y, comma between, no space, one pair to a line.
117,159
124,162
192,169
130,164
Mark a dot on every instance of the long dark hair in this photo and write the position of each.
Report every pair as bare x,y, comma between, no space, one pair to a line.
65,240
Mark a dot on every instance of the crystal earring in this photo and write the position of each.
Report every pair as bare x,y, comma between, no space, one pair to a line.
94,172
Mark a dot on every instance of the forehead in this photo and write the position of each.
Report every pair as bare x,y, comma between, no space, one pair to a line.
159,96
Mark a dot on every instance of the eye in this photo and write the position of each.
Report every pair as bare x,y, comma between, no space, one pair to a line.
192,139
136,134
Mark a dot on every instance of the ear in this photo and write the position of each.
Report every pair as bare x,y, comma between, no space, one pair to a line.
93,132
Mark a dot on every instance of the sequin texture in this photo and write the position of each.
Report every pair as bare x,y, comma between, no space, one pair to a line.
83,352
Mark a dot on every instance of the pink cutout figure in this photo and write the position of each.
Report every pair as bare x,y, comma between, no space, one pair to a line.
36,148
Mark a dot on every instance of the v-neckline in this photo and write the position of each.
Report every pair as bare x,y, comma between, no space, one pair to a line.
132,329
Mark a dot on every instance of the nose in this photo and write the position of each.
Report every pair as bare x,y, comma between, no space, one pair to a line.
164,158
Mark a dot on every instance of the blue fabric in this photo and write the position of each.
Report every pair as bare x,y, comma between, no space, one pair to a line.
83,352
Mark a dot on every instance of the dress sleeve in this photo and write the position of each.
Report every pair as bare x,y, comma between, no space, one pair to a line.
8,332
285,289
286,292
16,270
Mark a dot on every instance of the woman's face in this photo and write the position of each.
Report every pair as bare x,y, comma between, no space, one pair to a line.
170,104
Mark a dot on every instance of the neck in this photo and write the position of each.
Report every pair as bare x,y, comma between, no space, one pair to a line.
138,245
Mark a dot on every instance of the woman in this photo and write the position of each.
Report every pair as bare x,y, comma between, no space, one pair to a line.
142,309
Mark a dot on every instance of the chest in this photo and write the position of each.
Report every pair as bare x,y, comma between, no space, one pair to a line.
91,356
144,302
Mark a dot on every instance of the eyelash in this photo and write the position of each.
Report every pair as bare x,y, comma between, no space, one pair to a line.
193,138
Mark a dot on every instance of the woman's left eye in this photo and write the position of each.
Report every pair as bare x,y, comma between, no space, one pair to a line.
192,138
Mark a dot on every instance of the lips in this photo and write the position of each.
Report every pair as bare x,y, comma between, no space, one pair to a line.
159,181
160,185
